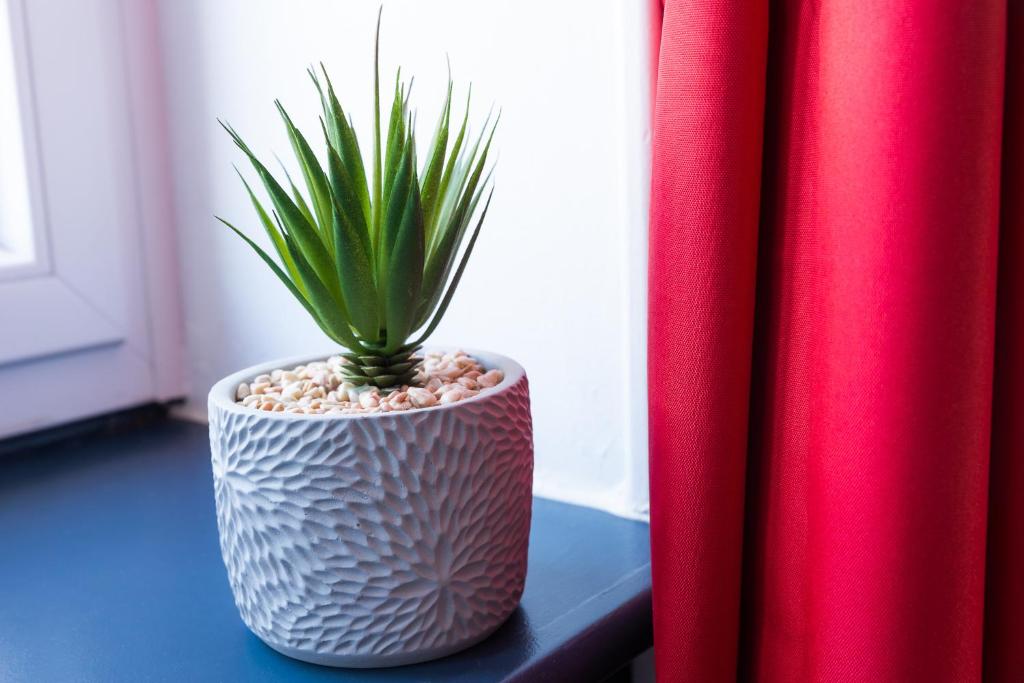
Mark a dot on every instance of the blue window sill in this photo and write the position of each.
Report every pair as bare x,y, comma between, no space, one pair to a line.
110,570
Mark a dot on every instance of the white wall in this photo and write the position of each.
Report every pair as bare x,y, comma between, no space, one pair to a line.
557,278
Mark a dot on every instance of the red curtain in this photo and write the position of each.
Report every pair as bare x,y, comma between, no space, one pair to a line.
836,341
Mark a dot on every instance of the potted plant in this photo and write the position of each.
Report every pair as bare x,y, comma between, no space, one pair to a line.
374,504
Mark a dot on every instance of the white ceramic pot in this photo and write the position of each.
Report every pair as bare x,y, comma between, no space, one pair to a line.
380,539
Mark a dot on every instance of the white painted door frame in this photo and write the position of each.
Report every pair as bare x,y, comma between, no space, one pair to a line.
92,323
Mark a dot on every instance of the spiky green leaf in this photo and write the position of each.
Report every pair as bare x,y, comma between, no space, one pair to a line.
329,308
377,203
395,214
355,270
276,238
297,197
307,239
450,165
435,164
439,263
345,192
443,308
405,269
396,140
342,137
293,287
312,173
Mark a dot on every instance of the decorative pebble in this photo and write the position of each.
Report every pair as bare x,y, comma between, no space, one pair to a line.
451,396
421,398
318,388
490,378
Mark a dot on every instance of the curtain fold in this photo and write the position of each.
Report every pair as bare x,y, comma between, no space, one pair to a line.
833,187
1004,599
703,253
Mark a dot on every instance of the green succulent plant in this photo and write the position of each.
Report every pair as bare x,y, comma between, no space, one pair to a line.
372,260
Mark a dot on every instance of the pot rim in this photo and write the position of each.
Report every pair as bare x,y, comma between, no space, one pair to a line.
222,394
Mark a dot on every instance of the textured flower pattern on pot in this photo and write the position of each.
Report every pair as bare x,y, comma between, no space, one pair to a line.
373,540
